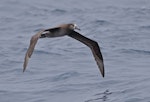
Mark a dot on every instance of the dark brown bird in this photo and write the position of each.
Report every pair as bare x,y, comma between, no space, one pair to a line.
62,30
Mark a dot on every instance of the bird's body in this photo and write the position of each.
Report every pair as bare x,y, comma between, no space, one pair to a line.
62,30
59,31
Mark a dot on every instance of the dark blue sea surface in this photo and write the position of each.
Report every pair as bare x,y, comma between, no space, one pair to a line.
62,69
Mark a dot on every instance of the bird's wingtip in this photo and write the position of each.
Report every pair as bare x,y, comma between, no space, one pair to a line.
25,62
103,75
23,70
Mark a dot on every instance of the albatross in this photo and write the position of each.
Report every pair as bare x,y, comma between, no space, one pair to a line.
69,30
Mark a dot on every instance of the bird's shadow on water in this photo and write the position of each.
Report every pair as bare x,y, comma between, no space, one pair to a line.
100,96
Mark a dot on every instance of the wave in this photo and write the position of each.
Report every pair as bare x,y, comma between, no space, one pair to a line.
65,75
135,51
146,27
100,96
58,11
102,22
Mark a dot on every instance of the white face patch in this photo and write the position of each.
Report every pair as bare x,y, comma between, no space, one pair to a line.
75,26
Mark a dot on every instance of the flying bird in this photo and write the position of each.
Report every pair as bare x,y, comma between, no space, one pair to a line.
69,30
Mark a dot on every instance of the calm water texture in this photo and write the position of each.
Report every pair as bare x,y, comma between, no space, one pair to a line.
63,69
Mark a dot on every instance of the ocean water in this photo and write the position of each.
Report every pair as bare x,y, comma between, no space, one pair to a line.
62,69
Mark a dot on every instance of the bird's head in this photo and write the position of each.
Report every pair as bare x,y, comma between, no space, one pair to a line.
74,27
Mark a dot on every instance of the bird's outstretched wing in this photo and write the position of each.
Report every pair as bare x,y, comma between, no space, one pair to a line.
93,46
30,50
